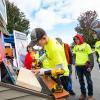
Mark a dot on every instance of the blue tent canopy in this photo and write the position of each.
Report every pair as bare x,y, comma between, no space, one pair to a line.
10,39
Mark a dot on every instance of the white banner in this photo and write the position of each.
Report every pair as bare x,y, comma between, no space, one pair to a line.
21,43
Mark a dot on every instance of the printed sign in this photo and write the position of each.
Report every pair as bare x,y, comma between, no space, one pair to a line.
20,47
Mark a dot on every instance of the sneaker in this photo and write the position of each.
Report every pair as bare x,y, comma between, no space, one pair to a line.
72,93
90,98
82,97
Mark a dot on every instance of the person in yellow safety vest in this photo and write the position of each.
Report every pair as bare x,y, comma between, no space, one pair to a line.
54,52
96,36
46,64
84,63
69,58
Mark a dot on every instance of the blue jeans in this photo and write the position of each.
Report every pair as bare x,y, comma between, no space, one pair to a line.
70,79
81,72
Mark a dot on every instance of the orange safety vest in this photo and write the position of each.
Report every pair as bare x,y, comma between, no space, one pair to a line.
67,47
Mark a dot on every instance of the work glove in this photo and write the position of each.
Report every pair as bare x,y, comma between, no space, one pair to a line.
89,66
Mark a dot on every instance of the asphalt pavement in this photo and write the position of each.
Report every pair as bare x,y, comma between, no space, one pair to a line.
96,83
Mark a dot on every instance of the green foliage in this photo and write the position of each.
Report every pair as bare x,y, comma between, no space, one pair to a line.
16,19
85,25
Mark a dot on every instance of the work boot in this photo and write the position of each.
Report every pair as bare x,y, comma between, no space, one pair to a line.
57,89
82,97
90,98
71,92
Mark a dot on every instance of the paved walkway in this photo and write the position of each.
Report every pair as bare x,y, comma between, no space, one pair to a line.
96,82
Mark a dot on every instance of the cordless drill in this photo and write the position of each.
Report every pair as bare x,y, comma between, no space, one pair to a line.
56,73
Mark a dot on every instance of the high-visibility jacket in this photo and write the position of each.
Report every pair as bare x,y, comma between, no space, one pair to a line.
97,49
56,55
46,64
82,52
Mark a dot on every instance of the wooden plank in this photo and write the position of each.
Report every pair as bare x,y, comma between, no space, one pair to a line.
50,83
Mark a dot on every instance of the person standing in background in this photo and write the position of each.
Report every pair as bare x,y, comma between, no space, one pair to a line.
96,36
84,63
69,58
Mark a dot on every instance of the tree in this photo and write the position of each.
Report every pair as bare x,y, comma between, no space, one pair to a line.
85,25
16,19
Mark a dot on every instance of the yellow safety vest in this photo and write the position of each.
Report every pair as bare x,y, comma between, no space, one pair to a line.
82,51
46,64
97,49
56,55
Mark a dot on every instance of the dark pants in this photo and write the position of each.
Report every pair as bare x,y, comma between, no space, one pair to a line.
64,81
99,66
70,79
81,72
